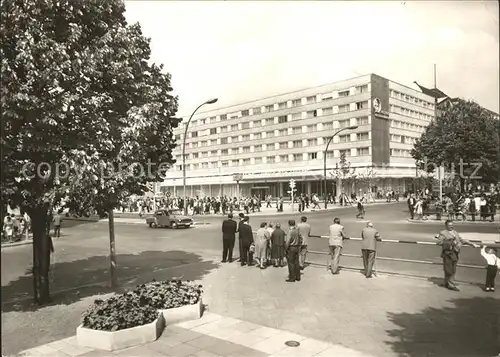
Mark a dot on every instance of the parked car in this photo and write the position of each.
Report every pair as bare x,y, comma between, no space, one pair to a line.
169,218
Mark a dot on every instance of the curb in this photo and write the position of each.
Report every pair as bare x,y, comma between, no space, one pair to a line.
433,221
17,244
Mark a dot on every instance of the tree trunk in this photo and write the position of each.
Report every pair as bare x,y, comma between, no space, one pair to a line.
112,250
41,255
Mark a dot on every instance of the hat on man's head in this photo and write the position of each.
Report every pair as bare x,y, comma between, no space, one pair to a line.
246,219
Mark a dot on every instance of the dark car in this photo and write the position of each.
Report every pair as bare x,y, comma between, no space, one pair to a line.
169,218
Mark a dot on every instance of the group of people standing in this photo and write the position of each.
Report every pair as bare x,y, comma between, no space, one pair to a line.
271,245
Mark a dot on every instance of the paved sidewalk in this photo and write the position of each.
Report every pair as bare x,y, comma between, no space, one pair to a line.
211,336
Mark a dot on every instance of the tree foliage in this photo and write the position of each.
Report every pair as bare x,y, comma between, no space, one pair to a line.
344,171
80,104
464,132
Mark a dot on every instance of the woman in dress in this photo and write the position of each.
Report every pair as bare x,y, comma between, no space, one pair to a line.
278,245
261,240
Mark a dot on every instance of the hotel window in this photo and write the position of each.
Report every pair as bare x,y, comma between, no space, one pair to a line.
362,151
396,138
245,125
204,165
312,114
346,152
312,128
202,121
312,142
203,143
179,167
311,99
343,108
245,137
269,108
257,136
344,138
344,123
225,163
195,155
245,113
213,131
234,127
282,105
361,105
235,162
269,134
271,159
327,126
223,129
269,121
362,136
258,160
326,96
256,110
297,157
223,117
246,161
344,93
283,132
296,102
297,130
257,148
312,156
224,152
213,153
283,158
246,149
327,111
214,164
362,121
257,123
282,119
284,145
297,144
223,141
204,154
330,155
296,116
234,139
194,134
362,89
211,120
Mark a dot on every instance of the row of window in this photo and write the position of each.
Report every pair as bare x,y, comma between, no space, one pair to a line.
400,152
364,136
364,151
408,126
283,105
278,120
281,132
403,139
410,113
410,99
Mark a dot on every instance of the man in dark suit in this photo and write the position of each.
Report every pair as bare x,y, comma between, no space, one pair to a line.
411,205
241,215
229,228
246,240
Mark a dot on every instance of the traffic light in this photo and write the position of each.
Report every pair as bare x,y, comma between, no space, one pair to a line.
292,183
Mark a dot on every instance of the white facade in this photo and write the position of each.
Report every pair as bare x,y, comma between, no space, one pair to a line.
274,139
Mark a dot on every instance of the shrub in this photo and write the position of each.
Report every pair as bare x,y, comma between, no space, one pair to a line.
119,312
168,294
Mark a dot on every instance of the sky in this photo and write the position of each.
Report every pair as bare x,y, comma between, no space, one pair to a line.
238,51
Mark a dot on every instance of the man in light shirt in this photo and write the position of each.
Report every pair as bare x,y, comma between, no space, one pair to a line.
337,235
370,238
305,230
57,224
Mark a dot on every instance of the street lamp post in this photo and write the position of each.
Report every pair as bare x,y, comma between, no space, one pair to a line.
324,157
210,101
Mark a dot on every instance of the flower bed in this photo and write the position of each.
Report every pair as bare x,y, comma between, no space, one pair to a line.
177,300
119,322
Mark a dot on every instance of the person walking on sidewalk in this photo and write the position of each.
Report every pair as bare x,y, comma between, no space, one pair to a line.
411,205
293,244
305,230
370,236
246,240
493,264
229,229
335,243
451,243
361,208
57,224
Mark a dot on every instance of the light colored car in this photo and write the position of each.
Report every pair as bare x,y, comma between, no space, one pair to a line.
169,218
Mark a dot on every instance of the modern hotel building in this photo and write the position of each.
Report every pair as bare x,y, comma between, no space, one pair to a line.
266,142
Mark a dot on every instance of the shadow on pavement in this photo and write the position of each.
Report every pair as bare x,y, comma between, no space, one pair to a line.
75,280
469,328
